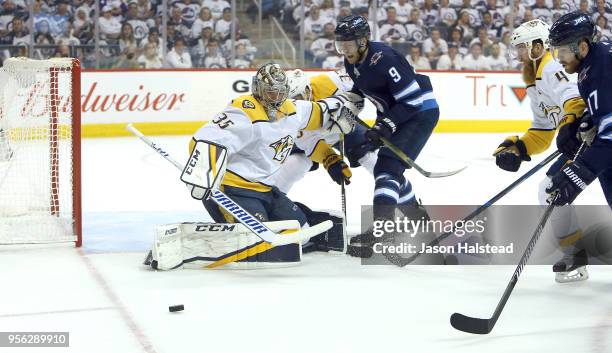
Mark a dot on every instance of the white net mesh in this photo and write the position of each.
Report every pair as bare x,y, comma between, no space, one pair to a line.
36,164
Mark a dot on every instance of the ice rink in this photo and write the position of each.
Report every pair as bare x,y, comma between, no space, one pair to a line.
109,302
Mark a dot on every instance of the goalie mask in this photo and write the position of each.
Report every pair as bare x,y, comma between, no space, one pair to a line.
270,86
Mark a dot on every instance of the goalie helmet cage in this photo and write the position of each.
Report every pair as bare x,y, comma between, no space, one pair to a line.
40,151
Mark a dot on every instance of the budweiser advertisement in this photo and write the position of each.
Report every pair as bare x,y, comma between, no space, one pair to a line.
166,96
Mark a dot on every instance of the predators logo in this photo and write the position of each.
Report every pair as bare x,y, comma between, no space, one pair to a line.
553,112
282,148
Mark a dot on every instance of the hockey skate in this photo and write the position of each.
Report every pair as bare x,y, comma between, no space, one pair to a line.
572,268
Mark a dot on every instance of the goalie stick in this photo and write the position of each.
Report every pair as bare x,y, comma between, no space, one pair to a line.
400,261
484,326
343,200
244,217
408,161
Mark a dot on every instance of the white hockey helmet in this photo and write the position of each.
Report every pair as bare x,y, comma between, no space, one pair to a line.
270,86
524,35
299,85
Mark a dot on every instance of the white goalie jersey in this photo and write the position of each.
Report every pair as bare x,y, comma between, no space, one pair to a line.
257,146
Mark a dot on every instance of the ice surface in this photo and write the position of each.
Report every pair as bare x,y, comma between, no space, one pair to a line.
110,303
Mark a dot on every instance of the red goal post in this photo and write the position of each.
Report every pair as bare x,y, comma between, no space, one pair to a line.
40,151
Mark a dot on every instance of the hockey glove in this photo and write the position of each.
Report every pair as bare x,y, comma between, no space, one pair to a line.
567,137
569,182
384,127
510,153
337,169
587,130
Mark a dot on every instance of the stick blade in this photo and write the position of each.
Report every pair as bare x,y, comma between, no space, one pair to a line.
304,234
471,324
444,174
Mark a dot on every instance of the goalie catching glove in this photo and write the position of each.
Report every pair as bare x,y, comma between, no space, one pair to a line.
204,169
510,153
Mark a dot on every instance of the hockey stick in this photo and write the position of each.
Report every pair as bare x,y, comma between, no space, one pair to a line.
484,326
244,217
405,261
343,200
408,161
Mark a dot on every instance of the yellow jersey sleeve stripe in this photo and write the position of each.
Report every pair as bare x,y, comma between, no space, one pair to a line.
537,141
574,106
315,120
321,151
232,179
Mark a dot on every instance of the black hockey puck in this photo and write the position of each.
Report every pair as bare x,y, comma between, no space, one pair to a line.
175,308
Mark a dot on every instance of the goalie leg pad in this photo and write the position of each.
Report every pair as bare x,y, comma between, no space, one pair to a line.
167,248
228,246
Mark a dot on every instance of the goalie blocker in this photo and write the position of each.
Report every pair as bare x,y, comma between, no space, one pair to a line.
205,168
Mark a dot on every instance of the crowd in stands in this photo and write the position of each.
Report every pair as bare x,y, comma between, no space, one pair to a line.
198,33
436,34
433,34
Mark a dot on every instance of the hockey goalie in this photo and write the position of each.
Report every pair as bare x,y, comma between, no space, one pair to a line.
232,169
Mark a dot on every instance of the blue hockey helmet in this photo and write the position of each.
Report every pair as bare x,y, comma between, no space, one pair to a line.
571,28
352,28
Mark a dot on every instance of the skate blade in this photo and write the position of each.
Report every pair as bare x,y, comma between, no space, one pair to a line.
578,275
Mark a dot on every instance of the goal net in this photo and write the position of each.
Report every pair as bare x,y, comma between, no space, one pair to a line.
40,151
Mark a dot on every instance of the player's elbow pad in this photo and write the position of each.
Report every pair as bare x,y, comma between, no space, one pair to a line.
204,169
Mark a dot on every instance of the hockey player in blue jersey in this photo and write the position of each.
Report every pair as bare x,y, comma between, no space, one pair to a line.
572,40
407,113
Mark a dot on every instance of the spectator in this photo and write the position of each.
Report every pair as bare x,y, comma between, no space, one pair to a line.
126,38
223,25
601,11
140,28
81,19
528,15
297,14
403,8
144,10
487,23
110,27
323,46
214,59
391,30
473,19
463,23
18,35
540,10
497,15
204,20
450,61
154,38
189,10
430,14
557,10
128,60
418,61
584,6
484,41
150,58
346,11
447,15
313,25
327,10
178,57
604,33
67,37
198,52
242,59
176,20
416,31
475,60
239,39
496,60
216,7
43,41
456,39
434,46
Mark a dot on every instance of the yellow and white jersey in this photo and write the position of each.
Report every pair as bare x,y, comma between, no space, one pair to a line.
257,146
553,96
324,85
